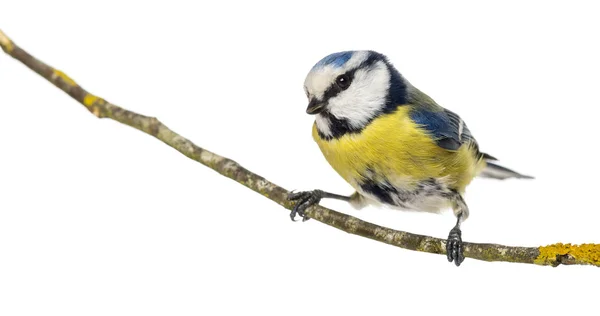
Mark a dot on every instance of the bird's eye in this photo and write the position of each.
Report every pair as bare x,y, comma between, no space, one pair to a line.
343,81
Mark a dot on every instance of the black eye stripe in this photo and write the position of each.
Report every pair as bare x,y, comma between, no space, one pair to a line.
334,89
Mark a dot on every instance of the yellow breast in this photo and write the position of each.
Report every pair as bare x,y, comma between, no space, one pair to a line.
394,147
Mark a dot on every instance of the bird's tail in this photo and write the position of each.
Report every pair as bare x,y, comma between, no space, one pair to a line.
494,171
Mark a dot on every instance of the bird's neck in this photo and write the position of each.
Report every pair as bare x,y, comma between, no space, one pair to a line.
331,126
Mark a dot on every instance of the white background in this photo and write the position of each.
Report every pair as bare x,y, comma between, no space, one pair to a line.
99,219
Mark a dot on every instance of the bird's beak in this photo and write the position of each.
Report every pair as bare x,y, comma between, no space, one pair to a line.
315,106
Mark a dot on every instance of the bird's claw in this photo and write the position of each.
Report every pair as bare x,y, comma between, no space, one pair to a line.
454,247
304,200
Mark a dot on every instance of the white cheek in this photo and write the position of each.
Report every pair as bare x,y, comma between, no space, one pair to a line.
365,96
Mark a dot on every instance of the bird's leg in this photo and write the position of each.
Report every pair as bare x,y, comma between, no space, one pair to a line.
454,244
305,199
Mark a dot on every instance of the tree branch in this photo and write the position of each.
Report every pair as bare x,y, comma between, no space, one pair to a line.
553,255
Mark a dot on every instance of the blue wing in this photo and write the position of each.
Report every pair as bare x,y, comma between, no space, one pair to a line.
448,129
451,132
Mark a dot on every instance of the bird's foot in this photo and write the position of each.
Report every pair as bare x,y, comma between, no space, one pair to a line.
454,247
304,200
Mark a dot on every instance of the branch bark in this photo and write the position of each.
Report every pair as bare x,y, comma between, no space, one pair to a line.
552,255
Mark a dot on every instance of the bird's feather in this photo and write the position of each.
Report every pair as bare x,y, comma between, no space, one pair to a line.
447,128
494,171
404,156
450,133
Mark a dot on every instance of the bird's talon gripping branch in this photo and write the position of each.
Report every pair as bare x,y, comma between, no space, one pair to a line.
304,200
454,246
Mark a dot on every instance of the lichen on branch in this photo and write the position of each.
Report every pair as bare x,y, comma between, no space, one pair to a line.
551,255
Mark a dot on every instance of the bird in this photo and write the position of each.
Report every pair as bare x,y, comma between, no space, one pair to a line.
391,142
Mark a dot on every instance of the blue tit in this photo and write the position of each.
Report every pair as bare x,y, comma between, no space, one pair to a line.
391,142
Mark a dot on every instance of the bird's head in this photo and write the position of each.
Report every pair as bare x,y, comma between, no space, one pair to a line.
352,87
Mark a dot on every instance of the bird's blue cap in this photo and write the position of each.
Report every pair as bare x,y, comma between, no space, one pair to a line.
336,60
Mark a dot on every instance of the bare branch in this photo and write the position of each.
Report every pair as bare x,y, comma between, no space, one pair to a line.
553,255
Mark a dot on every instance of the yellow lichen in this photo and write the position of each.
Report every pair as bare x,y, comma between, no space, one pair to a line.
64,77
89,99
584,253
6,43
